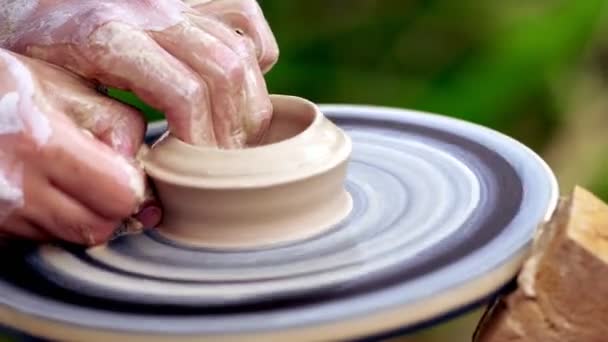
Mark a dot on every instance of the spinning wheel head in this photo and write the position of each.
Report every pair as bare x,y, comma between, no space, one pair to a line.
442,215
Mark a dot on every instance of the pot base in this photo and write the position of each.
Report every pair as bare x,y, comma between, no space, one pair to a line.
266,234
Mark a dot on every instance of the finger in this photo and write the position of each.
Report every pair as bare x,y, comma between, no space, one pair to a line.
91,172
18,227
255,106
59,214
69,220
222,70
247,16
258,106
120,56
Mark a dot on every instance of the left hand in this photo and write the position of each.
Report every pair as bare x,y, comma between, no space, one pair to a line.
67,168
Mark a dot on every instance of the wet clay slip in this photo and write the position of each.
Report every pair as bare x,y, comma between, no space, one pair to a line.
290,187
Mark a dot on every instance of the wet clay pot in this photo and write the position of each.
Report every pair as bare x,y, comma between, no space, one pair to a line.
290,187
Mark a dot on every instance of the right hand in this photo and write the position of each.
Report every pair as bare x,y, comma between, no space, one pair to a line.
65,155
190,64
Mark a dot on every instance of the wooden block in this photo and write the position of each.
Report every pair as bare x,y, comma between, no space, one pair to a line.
562,292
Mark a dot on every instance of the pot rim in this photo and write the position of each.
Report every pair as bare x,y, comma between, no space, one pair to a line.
319,148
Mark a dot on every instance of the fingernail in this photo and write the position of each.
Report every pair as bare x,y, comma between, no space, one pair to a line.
150,216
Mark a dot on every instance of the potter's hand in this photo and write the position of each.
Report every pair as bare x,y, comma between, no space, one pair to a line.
247,17
193,66
57,181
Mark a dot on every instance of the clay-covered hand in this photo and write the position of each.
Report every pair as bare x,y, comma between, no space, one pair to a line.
247,17
195,67
65,155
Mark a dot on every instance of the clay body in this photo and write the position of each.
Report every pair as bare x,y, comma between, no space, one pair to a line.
288,188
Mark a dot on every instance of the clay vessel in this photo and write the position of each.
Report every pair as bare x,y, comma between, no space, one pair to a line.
290,187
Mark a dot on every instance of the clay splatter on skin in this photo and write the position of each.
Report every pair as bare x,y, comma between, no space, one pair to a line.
17,114
9,124
23,109
13,12
11,193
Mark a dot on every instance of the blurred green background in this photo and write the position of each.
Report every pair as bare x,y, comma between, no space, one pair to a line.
534,69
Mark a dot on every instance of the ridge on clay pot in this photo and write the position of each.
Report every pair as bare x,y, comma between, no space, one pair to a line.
290,187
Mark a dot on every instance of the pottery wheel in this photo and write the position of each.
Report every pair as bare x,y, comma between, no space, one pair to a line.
443,211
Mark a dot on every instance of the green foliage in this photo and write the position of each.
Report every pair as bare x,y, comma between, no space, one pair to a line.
489,62
485,62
